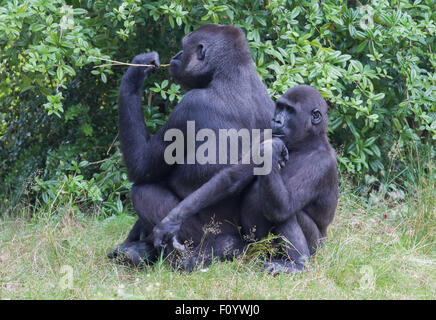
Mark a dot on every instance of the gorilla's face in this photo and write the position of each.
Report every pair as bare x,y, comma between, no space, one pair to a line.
300,113
211,50
284,119
190,67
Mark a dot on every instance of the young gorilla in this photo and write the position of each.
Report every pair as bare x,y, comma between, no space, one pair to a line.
297,200
225,92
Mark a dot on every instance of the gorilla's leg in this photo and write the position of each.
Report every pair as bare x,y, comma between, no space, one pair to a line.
220,247
152,202
134,248
313,235
297,250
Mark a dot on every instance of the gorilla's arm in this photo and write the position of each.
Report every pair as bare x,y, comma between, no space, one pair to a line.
230,181
144,156
273,194
283,199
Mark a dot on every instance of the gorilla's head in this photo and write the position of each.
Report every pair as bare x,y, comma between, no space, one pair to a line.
300,115
208,51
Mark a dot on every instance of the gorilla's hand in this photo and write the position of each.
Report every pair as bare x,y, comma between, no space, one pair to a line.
166,231
276,267
280,154
137,75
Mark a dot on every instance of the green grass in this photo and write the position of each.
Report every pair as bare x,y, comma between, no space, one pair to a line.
376,250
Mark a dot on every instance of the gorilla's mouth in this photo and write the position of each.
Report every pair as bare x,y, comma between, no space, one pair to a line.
174,64
278,135
173,68
176,60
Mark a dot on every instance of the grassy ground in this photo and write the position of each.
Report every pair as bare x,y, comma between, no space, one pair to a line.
375,250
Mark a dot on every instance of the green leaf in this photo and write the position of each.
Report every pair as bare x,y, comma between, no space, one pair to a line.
361,46
171,20
352,128
69,70
60,73
37,27
378,96
79,11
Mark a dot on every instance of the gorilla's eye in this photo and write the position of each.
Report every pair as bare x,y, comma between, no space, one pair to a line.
287,107
316,116
201,52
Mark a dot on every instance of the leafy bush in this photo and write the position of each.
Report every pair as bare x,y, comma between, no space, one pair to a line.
373,62
104,190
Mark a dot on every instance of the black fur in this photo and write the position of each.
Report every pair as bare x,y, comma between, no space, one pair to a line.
226,92
297,200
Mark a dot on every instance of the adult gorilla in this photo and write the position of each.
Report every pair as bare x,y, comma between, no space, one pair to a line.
226,93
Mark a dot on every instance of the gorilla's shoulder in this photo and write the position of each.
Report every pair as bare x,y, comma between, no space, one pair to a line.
197,98
320,158
202,94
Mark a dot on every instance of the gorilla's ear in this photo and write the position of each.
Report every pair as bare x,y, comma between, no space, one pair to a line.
201,52
316,116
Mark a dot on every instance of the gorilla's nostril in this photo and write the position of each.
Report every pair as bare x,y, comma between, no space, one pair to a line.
178,55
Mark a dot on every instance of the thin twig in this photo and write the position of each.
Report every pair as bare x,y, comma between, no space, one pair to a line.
107,153
119,63
95,162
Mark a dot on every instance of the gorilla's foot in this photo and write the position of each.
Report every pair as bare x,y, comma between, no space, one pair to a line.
192,262
136,254
278,266
189,264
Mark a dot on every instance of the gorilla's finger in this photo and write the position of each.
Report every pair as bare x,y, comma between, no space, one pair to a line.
146,58
177,245
156,62
113,253
285,153
274,268
155,66
268,267
158,242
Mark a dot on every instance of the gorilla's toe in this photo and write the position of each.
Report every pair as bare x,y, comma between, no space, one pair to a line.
114,252
136,254
276,267
188,265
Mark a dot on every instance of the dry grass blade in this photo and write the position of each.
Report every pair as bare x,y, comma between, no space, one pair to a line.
119,63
